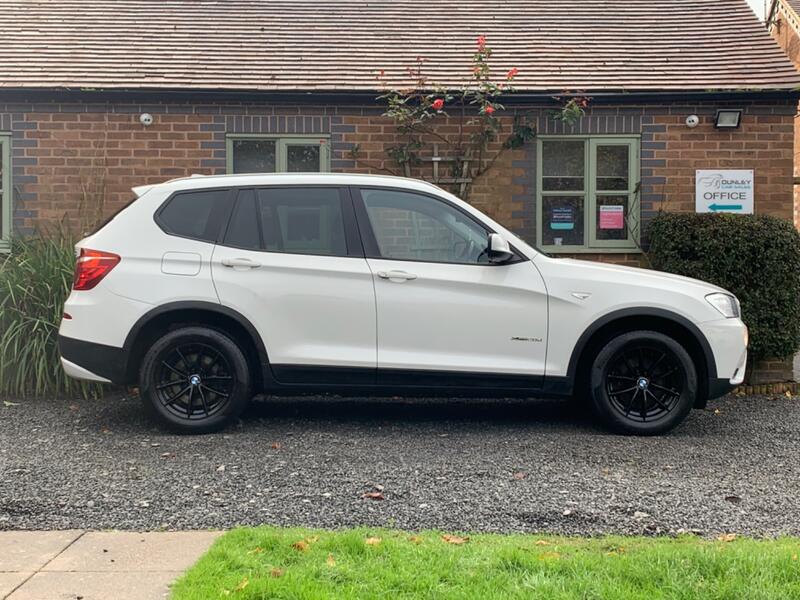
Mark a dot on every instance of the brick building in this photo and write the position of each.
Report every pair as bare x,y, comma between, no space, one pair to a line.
248,85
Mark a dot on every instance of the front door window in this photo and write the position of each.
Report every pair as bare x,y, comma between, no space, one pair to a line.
410,226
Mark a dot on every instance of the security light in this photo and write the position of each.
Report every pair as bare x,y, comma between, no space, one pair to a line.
728,119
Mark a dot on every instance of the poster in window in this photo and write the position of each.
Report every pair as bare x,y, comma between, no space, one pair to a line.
612,216
562,218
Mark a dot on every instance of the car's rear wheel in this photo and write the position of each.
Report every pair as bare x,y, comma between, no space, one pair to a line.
643,383
195,380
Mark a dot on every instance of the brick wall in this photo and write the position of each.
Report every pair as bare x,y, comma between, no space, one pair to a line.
771,371
72,161
69,157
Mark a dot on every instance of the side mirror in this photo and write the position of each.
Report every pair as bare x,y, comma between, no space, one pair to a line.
499,251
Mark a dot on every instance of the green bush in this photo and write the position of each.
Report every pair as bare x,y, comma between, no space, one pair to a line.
757,257
35,279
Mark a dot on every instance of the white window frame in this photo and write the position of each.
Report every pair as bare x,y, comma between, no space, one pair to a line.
282,143
6,199
590,194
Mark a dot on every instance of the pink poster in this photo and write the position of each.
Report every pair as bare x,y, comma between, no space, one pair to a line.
612,217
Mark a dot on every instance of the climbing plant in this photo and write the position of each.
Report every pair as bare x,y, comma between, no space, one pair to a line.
474,108
572,108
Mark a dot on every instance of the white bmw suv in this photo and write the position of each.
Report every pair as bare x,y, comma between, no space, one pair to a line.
207,290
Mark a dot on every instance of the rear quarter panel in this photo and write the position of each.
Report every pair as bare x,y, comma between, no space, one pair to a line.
156,268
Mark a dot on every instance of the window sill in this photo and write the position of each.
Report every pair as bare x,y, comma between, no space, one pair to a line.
599,250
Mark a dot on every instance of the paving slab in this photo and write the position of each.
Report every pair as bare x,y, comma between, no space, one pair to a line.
96,586
31,550
126,551
10,581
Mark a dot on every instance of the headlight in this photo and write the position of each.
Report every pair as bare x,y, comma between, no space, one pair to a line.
725,304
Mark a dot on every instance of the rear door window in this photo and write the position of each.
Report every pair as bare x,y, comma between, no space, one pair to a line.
293,220
302,221
193,214
244,228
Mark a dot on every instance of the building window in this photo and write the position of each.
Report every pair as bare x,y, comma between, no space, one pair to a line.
5,192
587,193
254,153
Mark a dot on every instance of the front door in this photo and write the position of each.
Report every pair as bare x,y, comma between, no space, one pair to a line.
445,314
291,262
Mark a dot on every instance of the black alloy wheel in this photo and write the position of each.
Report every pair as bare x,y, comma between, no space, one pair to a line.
643,383
195,379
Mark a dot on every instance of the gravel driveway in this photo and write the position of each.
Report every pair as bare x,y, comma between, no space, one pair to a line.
455,465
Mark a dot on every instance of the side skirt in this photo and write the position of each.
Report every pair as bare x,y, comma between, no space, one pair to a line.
301,379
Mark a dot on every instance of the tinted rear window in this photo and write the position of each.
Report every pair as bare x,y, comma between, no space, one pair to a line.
188,214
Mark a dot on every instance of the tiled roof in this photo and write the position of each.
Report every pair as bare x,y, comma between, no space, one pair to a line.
342,45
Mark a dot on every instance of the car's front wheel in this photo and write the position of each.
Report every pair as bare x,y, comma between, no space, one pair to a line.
643,383
195,379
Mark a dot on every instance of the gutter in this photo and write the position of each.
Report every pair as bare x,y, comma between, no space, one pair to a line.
146,96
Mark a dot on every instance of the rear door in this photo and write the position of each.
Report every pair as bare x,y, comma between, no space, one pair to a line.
444,312
291,262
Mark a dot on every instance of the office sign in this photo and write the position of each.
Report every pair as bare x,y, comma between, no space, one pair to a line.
730,191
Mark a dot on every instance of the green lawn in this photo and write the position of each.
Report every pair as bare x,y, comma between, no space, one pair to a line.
271,563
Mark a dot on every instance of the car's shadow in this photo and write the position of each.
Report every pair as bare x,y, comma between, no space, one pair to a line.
554,413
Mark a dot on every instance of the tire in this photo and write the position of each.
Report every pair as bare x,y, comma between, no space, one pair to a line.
643,383
195,380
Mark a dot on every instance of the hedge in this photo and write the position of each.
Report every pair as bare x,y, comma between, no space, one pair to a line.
756,257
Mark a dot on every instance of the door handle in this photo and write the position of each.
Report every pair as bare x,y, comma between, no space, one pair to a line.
396,275
240,262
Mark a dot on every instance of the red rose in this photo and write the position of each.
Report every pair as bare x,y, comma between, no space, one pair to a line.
512,73
438,104
489,110
481,42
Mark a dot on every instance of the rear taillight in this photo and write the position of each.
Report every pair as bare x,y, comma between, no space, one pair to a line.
91,267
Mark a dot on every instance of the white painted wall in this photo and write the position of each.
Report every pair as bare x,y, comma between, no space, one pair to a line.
759,7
